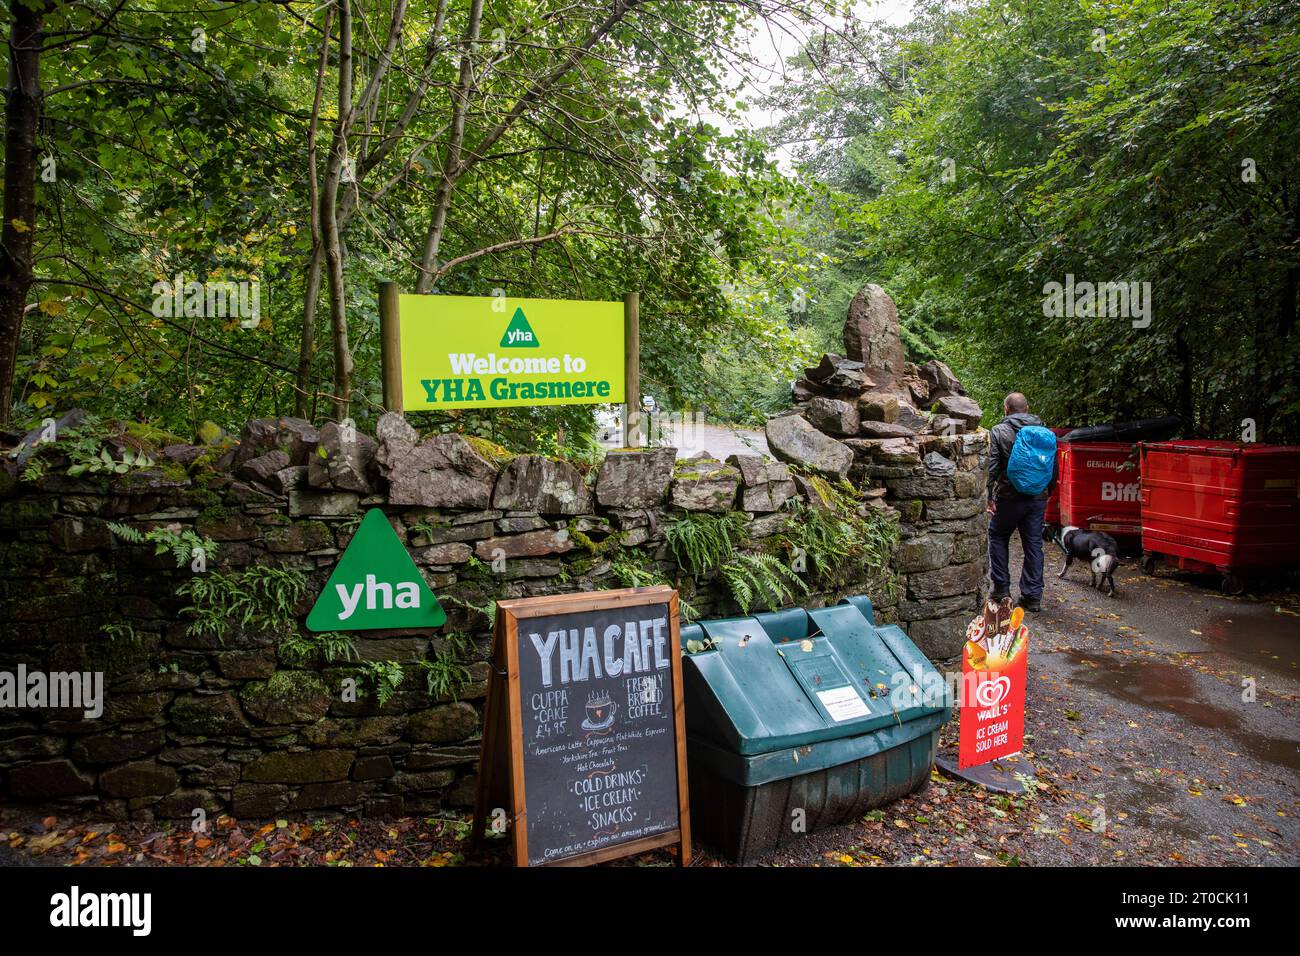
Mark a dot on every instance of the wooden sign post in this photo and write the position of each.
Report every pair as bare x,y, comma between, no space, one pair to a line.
632,370
584,747
390,345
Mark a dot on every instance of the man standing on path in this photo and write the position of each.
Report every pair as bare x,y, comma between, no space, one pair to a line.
1013,509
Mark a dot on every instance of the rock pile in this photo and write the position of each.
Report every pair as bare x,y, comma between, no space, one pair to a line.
908,437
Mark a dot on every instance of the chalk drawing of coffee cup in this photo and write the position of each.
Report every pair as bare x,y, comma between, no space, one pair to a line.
600,712
991,692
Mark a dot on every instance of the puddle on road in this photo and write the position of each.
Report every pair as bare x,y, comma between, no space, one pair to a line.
1255,635
1167,687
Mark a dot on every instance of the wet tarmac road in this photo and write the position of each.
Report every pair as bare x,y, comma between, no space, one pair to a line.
1181,706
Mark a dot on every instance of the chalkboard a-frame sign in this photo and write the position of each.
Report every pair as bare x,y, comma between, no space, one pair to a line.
584,744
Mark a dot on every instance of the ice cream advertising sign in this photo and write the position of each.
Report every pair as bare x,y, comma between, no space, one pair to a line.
993,671
488,352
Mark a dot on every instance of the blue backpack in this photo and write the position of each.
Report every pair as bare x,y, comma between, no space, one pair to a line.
1032,460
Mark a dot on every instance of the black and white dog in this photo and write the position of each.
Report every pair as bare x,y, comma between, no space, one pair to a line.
1095,547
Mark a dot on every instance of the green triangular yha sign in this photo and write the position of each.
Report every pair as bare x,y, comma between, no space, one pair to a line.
375,585
519,334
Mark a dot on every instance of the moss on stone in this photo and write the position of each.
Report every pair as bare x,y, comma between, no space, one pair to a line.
286,697
495,455
150,436
215,513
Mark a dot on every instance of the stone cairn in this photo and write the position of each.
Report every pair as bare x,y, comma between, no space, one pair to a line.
908,438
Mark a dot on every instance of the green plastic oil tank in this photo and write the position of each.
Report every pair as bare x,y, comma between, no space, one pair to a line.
798,720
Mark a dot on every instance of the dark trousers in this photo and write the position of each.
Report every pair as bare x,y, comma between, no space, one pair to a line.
1025,515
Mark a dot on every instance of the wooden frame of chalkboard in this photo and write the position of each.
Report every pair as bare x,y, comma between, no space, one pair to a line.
502,765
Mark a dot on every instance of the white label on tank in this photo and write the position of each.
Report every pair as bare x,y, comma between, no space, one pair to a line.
843,703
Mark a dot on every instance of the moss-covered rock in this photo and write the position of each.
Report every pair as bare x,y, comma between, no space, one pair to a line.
287,697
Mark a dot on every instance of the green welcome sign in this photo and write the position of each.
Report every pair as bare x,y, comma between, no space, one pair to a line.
375,585
459,351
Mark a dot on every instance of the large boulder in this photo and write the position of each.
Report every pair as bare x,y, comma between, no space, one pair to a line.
442,471
705,484
833,416
396,438
792,439
343,460
871,333
543,485
635,479
264,469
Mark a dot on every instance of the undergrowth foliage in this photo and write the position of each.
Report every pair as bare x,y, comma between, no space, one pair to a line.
761,581
182,544
702,543
841,540
260,598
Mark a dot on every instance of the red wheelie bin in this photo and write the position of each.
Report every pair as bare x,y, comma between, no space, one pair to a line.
1052,514
1101,489
1220,506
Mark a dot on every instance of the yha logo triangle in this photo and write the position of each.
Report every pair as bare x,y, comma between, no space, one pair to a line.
375,585
519,334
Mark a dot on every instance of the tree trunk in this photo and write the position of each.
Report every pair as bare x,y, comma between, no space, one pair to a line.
22,119
305,401
329,216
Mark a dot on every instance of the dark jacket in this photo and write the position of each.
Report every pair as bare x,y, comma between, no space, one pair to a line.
1001,439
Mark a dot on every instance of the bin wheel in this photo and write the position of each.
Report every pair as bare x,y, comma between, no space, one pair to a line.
1149,562
1233,584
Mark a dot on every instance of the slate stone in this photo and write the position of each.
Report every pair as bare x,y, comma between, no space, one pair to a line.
833,416
705,484
542,485
442,471
344,460
792,439
635,479
871,333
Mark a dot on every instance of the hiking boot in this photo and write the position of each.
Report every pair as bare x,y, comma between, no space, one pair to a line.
997,596
1033,605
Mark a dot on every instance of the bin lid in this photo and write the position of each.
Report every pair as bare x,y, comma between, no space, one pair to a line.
775,681
1218,446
